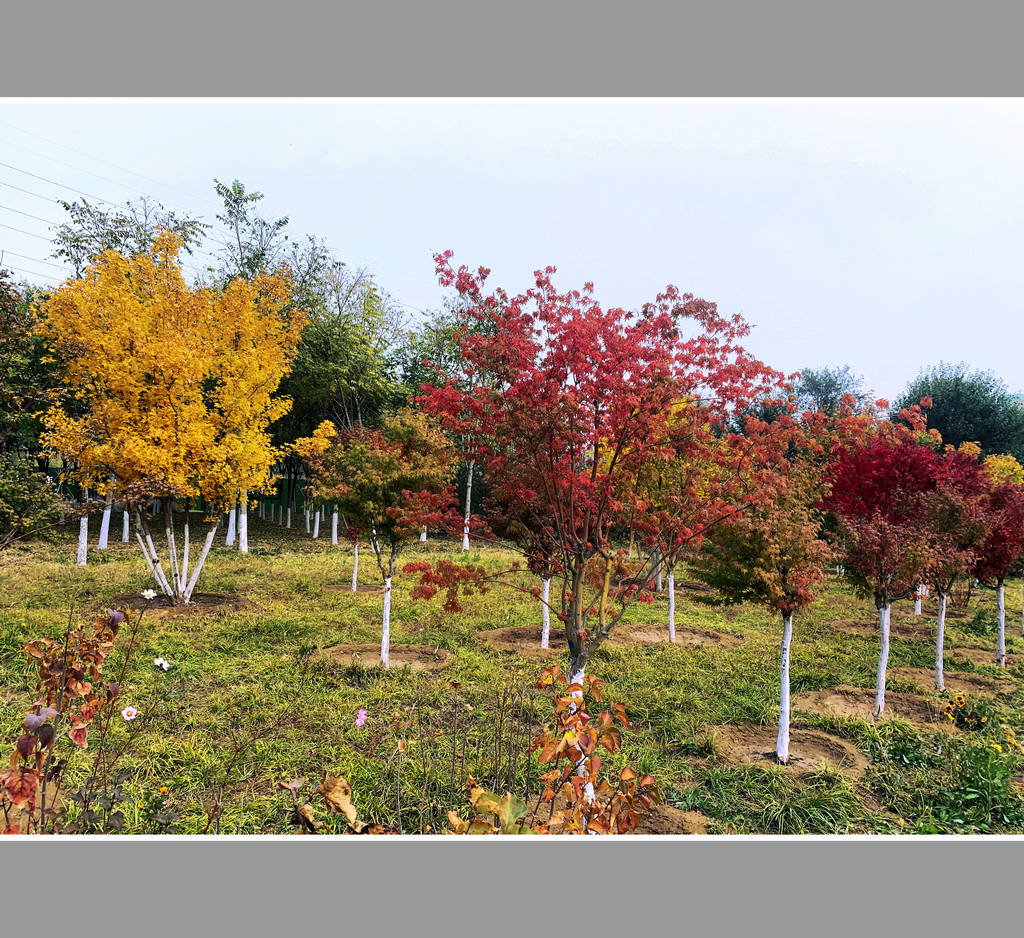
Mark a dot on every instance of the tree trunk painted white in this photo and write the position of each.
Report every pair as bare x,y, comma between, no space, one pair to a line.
385,636
671,605
83,540
149,563
1001,607
316,525
423,534
782,744
105,523
202,560
229,540
243,523
883,660
576,677
289,522
334,528
917,601
183,576
355,567
545,629
469,496
124,528
307,521
172,549
939,641
153,561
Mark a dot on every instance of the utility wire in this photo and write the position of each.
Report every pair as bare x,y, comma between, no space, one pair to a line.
24,232
18,211
25,257
124,169
54,182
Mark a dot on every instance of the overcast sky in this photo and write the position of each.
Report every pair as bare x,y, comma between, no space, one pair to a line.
882,234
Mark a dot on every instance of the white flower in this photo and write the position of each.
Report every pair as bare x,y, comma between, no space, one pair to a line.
162,663
149,594
130,713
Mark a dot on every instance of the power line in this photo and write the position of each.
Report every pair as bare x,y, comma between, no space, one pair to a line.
24,232
54,182
97,159
33,273
18,211
36,195
36,260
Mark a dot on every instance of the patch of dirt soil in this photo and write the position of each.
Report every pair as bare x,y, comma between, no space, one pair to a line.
414,657
666,819
661,819
361,588
980,656
524,640
958,682
914,629
847,701
808,748
162,607
658,635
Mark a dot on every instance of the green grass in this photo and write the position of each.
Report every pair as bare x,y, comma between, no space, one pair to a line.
247,678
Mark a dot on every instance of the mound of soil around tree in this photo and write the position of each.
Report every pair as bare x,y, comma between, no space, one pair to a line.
162,606
661,819
658,635
981,656
413,657
958,682
914,628
847,701
808,749
361,588
524,640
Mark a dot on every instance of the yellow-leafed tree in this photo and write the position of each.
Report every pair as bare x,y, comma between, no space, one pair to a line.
170,388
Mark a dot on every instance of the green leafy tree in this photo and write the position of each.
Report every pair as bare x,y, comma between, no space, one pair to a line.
91,229
823,389
969,407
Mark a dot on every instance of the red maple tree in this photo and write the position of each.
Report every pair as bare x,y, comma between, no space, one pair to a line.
577,399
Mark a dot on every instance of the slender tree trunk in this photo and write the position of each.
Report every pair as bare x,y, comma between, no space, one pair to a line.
210,534
288,524
545,629
782,744
423,534
183,578
355,567
307,521
124,528
917,601
1001,607
105,522
939,641
243,523
469,497
883,660
83,539
385,637
316,525
334,527
229,540
671,605
657,570
632,541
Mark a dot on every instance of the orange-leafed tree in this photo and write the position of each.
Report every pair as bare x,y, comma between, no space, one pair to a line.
170,390
774,551
389,483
